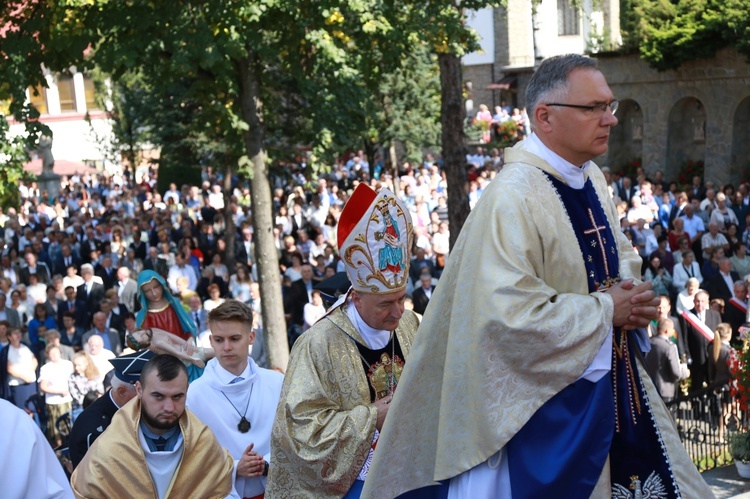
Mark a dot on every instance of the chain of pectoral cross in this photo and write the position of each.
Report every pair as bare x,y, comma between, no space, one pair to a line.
620,350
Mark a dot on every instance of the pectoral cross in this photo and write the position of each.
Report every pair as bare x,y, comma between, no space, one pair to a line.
597,229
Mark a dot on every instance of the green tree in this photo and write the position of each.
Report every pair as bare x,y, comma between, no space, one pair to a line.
272,72
449,36
408,105
12,157
129,104
233,55
17,72
667,34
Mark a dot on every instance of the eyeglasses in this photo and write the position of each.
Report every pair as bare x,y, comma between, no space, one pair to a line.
596,110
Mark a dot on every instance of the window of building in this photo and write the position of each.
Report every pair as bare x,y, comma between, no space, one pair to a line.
38,98
567,18
66,91
90,91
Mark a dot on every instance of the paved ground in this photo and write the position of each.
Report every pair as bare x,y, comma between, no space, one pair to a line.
726,483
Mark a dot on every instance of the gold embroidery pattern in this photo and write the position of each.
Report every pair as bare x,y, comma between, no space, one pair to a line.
621,351
361,255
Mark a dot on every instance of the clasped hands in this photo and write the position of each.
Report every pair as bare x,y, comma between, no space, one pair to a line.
251,463
635,305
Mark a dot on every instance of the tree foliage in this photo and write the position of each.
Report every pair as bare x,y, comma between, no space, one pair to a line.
240,81
128,104
21,41
407,105
12,157
667,33
247,65
444,28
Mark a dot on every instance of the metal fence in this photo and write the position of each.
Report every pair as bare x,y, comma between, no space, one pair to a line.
705,419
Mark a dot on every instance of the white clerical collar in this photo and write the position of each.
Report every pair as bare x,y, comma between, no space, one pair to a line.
113,399
573,175
225,377
375,338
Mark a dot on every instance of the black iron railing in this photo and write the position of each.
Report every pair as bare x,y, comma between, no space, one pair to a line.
705,418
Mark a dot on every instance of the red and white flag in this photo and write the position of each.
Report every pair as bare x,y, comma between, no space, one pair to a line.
739,304
698,325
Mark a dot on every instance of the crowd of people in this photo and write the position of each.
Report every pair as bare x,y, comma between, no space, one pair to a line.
86,271
492,123
693,243
70,294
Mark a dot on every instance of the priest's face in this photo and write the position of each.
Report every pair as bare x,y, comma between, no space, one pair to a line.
380,311
576,134
162,402
231,341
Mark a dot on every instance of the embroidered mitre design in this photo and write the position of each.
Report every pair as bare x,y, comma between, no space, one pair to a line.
375,235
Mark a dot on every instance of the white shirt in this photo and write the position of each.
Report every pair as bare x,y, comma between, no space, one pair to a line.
56,374
176,272
121,287
162,465
20,357
101,360
10,273
72,281
313,313
729,282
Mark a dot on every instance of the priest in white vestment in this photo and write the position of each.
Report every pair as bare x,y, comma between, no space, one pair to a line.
518,373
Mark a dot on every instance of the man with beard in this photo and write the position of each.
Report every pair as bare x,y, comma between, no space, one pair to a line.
155,446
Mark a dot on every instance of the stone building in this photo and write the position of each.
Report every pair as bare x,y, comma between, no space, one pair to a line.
513,38
700,112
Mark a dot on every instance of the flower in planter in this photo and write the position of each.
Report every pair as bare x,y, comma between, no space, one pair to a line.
739,446
739,366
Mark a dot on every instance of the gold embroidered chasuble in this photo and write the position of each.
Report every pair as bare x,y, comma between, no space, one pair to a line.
115,466
510,325
325,422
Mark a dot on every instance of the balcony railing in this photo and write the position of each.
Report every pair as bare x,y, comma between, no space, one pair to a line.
705,419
